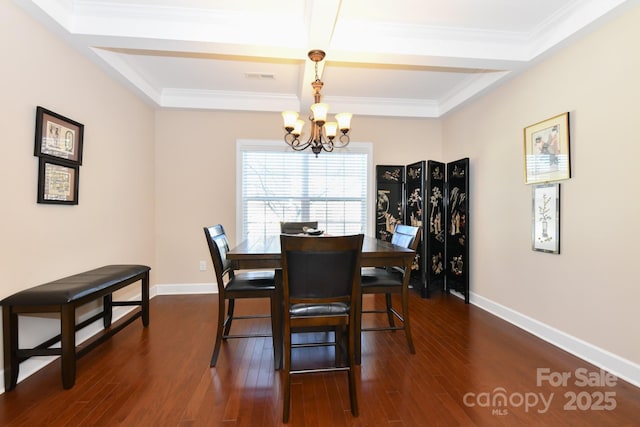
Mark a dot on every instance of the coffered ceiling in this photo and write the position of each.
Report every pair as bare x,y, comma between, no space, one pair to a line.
404,58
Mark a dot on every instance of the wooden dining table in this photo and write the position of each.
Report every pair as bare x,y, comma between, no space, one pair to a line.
264,253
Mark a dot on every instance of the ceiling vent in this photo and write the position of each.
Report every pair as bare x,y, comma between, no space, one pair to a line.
260,76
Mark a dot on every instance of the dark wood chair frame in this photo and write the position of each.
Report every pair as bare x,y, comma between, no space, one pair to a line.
253,284
331,306
391,281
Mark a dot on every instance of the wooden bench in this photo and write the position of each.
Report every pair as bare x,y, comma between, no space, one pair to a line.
64,296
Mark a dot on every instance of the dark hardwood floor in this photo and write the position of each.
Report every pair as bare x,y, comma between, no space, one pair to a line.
471,369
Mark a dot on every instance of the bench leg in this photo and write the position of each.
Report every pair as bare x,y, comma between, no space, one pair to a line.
68,343
10,342
107,310
145,300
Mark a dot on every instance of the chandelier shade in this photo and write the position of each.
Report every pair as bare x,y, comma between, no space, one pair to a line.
323,133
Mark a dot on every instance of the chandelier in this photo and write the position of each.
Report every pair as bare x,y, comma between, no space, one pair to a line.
323,134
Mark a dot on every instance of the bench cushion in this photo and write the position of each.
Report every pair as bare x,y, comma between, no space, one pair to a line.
75,287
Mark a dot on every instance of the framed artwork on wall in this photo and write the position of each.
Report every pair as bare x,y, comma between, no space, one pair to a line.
58,137
545,233
57,182
546,150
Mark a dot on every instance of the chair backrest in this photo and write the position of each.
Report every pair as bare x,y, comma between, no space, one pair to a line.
218,248
407,236
297,227
325,269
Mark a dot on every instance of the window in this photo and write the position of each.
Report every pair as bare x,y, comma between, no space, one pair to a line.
278,184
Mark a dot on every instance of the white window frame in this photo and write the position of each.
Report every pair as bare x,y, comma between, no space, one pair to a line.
271,145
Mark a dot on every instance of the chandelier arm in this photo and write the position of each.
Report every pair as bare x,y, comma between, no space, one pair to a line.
344,140
327,145
291,139
300,147
295,143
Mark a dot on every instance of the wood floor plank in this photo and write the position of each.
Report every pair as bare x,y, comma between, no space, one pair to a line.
160,376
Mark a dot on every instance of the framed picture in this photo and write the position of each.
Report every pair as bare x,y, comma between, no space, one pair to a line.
58,137
546,150
546,218
57,182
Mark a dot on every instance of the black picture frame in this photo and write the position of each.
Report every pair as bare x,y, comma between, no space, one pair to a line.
58,182
58,138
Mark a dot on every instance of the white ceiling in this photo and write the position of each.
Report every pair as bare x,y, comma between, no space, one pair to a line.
404,58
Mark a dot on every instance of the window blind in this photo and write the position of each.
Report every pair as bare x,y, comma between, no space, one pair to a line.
279,185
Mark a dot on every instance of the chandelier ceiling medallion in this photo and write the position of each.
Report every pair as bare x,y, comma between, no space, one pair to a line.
323,133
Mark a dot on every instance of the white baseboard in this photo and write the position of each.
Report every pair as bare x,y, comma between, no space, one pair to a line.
186,289
35,363
616,365
622,368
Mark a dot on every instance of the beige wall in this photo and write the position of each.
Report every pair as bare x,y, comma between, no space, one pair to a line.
590,290
196,175
114,220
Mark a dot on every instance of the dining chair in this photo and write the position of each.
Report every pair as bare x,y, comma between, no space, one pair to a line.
321,287
392,280
297,227
234,285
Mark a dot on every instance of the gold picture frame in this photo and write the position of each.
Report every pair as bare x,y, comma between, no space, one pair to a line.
546,150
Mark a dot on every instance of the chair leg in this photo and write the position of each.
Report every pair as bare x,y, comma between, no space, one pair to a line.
337,334
353,395
229,319
287,377
358,332
392,323
287,396
219,331
405,316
